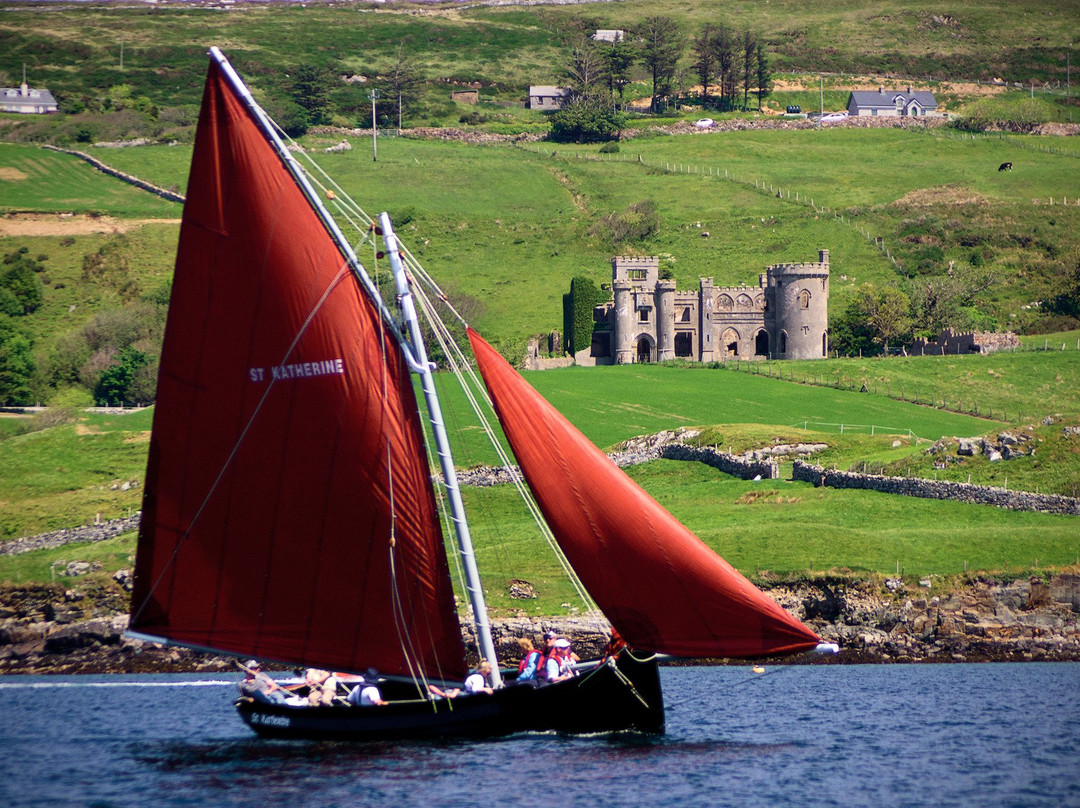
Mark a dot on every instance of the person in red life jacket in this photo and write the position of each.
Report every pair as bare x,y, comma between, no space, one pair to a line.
559,666
531,663
615,644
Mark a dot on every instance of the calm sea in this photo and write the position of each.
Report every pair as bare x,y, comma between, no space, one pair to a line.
890,735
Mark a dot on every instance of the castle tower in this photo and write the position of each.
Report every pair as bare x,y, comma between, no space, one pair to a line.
799,298
665,320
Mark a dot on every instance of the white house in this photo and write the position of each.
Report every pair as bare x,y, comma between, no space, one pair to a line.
891,103
609,35
25,100
546,97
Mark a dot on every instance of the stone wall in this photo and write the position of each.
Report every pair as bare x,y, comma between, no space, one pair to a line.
744,468
172,196
950,342
936,489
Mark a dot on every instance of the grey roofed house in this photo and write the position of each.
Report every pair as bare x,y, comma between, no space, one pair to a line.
894,103
544,96
26,100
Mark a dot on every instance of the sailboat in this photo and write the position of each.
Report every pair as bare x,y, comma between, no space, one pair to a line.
290,510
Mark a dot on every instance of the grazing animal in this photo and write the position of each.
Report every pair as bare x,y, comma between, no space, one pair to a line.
1005,167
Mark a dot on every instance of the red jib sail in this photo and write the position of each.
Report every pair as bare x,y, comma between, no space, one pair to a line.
658,583
288,511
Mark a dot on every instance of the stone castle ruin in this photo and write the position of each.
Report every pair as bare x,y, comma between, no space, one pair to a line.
784,317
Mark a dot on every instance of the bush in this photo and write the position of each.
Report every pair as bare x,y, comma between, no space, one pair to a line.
638,222
611,147
585,122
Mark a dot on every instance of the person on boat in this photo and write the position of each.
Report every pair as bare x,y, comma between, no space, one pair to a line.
438,693
614,645
531,661
480,681
260,687
559,665
366,694
322,687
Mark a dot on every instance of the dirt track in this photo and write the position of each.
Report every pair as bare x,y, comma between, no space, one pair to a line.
51,224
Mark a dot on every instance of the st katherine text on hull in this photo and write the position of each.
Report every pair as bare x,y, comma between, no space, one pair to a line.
290,512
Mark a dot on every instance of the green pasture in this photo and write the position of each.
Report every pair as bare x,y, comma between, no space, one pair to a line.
37,180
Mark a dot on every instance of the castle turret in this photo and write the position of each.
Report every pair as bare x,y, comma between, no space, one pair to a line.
799,295
624,321
665,320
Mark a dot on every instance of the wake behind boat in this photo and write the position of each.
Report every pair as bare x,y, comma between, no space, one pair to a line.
290,513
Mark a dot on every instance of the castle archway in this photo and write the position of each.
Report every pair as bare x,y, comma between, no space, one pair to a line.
761,343
644,353
684,344
729,342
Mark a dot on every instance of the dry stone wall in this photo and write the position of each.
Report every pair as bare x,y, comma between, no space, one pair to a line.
936,489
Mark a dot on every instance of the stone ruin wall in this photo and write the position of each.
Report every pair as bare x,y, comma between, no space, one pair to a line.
949,342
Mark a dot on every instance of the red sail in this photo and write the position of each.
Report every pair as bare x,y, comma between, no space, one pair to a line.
288,511
658,583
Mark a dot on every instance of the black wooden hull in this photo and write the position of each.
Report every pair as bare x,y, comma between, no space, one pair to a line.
609,698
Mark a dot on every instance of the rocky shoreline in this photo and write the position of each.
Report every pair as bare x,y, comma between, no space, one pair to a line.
47,629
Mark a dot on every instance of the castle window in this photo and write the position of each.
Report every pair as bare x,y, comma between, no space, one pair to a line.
745,303
643,315
724,303
685,315
804,299
761,343
639,274
783,342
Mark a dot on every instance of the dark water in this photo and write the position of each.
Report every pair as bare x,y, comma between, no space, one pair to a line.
894,735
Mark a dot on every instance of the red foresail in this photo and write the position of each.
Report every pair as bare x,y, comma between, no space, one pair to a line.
658,583
288,511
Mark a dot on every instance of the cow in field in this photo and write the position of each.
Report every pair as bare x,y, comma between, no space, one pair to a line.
1005,167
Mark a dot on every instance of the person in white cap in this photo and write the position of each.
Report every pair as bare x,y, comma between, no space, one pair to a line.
257,685
559,665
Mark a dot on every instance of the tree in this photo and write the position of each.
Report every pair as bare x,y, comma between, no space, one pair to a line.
887,312
21,291
586,121
945,301
764,77
311,87
116,384
16,362
705,61
660,52
616,59
585,71
403,83
749,59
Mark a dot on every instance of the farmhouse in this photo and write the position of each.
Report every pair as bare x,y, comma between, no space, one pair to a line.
546,97
892,103
784,317
25,100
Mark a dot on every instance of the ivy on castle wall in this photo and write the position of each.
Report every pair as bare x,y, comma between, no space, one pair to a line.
578,308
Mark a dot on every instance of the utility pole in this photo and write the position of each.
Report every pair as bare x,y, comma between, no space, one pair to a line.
821,90
374,96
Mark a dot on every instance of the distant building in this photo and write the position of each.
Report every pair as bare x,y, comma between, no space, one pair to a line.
25,100
547,97
891,103
609,35
784,317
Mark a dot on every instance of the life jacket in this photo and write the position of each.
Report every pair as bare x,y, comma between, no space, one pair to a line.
525,662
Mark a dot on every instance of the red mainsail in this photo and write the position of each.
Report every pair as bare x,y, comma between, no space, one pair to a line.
288,511
658,583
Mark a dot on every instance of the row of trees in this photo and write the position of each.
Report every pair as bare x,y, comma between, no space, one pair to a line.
735,64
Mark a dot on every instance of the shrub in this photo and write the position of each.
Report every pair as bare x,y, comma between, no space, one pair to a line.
638,222
583,121
611,147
